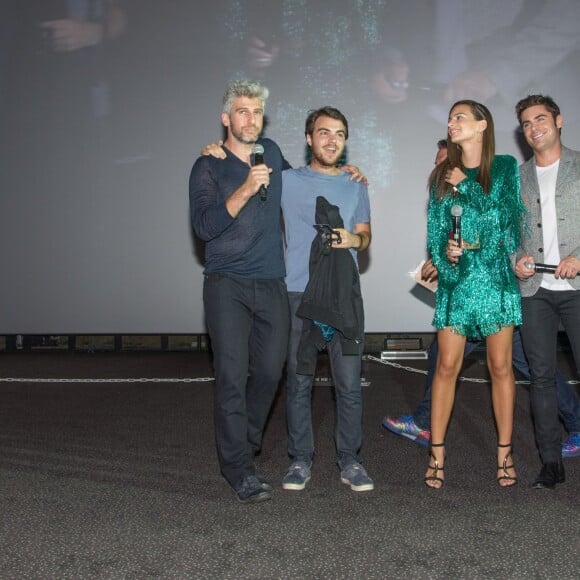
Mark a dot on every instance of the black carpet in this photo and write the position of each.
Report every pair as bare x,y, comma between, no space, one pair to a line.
120,480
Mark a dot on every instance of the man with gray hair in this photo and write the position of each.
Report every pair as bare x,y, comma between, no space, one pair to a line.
235,210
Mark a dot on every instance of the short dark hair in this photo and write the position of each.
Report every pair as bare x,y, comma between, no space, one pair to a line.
331,112
442,144
532,101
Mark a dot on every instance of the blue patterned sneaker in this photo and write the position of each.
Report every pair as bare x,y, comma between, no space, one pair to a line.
405,426
354,474
297,477
571,445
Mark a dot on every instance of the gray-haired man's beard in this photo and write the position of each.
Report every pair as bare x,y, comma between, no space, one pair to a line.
245,138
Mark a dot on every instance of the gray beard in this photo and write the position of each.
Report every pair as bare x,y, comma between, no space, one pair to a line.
242,139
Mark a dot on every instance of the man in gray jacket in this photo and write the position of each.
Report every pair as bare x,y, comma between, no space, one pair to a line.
550,183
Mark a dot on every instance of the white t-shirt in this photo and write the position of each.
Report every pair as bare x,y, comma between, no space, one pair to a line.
547,177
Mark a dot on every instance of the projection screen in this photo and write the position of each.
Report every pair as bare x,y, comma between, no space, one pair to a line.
106,104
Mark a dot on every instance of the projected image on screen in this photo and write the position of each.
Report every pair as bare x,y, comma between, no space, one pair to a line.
105,104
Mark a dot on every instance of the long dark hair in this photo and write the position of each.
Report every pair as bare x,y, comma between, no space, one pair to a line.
454,151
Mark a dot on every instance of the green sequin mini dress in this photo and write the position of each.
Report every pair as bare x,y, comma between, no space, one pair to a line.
478,296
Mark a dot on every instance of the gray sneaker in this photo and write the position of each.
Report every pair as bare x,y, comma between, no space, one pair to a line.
354,474
297,477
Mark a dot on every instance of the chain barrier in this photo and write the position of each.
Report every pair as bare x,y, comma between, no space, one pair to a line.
461,378
211,379
117,380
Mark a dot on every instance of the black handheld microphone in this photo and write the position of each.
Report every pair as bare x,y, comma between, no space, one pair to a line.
456,213
258,153
541,268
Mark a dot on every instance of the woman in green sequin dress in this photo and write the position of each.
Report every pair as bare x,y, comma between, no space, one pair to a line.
477,294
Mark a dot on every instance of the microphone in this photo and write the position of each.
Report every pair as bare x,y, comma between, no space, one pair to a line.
456,213
541,268
258,153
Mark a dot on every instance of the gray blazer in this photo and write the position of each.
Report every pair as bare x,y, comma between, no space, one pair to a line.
567,211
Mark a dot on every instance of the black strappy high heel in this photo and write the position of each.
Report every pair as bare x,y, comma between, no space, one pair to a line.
436,468
504,467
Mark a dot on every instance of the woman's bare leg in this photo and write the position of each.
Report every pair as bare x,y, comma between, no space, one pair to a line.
449,361
503,395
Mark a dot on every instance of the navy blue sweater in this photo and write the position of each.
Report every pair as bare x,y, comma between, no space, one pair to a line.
249,245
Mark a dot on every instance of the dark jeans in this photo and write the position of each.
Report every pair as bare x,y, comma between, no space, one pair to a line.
568,400
542,314
248,322
346,372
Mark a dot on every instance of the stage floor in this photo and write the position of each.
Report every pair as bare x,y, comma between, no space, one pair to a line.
118,478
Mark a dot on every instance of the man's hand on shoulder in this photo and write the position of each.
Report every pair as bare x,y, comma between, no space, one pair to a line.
215,150
355,173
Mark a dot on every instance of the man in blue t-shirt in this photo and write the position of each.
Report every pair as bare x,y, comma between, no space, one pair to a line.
326,135
244,293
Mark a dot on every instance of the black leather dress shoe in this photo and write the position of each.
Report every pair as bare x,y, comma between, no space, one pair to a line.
264,482
550,475
251,490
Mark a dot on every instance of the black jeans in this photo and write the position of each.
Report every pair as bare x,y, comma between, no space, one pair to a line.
249,323
542,315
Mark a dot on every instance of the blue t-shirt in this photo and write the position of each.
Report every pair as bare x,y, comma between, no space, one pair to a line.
300,188
249,245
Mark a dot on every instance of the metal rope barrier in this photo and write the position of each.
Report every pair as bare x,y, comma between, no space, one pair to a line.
461,378
116,380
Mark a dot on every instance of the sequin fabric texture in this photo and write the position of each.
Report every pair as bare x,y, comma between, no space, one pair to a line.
479,295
